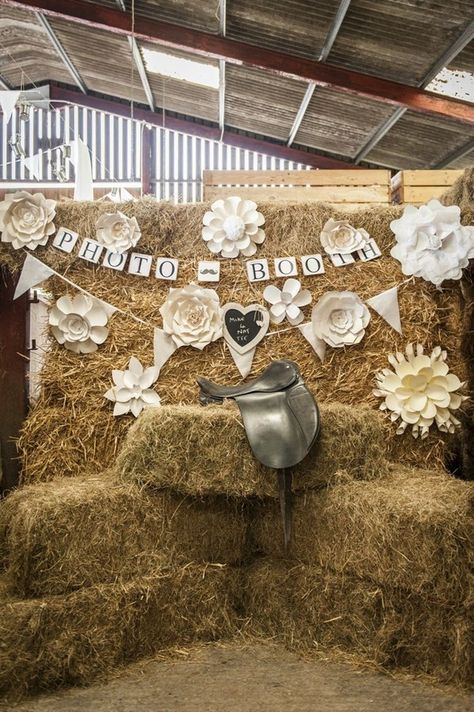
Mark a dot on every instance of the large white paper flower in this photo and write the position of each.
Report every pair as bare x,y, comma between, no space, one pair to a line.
232,226
117,232
419,391
287,302
340,319
79,323
132,390
431,242
339,237
27,220
192,316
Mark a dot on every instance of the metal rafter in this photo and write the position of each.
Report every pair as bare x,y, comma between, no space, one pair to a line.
222,31
137,57
446,58
62,52
327,47
209,45
455,155
4,84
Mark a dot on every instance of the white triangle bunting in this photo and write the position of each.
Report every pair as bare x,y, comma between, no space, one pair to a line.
33,273
81,159
8,101
318,345
163,346
386,305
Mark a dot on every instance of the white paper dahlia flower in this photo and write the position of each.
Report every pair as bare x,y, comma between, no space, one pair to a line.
232,227
420,391
117,232
80,323
26,220
339,237
340,319
431,242
192,316
132,390
287,302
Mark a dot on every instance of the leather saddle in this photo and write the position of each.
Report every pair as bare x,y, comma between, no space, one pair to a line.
280,415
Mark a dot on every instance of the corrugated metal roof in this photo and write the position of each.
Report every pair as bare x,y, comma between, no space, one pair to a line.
420,141
258,101
339,122
398,39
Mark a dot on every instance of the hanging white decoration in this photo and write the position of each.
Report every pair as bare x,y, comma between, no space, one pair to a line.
132,390
340,319
232,227
420,391
27,220
386,305
117,232
80,323
192,316
244,328
431,242
32,273
287,302
8,100
338,237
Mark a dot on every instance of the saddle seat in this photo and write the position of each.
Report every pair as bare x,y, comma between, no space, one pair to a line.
276,377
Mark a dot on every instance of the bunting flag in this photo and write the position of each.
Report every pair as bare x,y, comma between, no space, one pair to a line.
318,345
8,101
80,157
33,164
33,273
163,346
386,305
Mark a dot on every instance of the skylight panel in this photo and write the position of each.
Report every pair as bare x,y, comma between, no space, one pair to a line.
188,70
457,84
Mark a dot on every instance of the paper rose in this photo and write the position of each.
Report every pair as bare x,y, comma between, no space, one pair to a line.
232,226
340,319
431,242
287,302
117,232
27,220
192,316
339,237
79,323
419,391
132,391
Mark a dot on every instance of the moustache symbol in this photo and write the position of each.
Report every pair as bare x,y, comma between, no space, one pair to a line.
208,271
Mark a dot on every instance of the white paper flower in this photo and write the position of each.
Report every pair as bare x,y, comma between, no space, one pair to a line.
287,302
339,237
117,232
27,220
79,323
419,391
432,243
132,391
232,226
340,319
192,316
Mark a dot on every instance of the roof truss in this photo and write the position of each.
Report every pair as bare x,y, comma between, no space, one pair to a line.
209,45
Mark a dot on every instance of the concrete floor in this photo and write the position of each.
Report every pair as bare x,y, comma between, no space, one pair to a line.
252,678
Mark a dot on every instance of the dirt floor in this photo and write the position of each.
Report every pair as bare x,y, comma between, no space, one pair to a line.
249,678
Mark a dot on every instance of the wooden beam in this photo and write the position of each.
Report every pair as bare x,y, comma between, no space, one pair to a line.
147,162
241,53
65,59
155,118
456,155
222,31
137,56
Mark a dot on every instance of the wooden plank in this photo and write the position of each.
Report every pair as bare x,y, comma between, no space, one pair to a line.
327,194
434,177
363,177
13,364
241,53
421,193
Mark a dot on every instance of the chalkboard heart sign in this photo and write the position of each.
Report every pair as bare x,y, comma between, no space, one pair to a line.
244,327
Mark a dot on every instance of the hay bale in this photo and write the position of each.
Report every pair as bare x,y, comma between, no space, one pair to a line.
93,434
412,529
309,608
75,533
73,639
203,451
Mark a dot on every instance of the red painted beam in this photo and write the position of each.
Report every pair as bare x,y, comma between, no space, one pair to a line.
241,53
155,118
